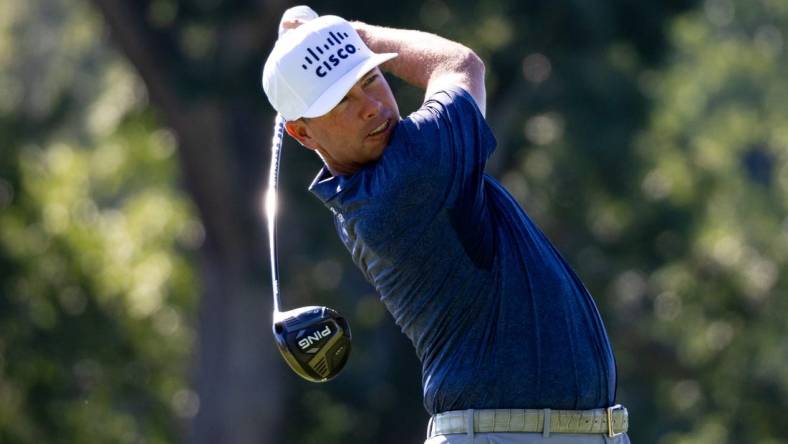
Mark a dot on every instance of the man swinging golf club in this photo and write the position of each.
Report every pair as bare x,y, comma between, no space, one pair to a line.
512,346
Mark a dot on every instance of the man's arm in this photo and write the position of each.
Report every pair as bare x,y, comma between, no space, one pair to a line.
427,61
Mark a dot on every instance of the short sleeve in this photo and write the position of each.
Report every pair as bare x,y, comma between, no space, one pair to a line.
430,178
455,143
451,143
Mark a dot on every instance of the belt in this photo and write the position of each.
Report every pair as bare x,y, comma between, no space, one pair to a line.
611,421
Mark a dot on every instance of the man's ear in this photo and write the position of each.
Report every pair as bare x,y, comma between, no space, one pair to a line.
299,131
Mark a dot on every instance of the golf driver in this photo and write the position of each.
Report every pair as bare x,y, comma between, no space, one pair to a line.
315,341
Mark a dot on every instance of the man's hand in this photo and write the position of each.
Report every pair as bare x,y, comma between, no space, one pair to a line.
295,17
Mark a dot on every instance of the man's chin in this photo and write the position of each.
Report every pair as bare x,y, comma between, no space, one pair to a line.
378,150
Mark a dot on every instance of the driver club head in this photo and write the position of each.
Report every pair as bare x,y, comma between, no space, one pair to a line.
315,341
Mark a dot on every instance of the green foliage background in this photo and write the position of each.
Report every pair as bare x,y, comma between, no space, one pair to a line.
95,241
648,139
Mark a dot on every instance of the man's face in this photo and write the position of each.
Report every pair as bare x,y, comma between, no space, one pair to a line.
356,131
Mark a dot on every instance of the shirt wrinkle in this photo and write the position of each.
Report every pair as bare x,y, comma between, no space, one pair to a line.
495,314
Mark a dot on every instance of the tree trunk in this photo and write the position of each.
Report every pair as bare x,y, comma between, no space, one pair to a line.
237,374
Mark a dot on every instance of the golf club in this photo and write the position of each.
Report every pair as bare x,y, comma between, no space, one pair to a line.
314,340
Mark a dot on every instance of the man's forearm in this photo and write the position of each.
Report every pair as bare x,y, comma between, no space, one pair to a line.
421,54
426,60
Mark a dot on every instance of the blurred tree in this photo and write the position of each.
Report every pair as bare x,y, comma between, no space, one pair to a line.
661,178
564,103
200,64
712,183
96,290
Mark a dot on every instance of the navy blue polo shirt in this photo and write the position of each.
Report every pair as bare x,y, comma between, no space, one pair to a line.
497,317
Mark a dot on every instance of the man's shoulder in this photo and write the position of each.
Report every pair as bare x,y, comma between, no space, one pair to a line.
451,104
450,95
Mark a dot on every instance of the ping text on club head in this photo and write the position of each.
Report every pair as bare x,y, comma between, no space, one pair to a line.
313,337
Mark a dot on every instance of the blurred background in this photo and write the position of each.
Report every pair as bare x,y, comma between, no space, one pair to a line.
649,139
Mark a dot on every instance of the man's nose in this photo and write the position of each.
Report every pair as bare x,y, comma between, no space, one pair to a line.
371,108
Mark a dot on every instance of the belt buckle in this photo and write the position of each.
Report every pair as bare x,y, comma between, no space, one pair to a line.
610,411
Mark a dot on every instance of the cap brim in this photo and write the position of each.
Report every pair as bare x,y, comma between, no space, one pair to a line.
329,99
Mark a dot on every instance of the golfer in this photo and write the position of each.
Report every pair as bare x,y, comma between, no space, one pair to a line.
512,346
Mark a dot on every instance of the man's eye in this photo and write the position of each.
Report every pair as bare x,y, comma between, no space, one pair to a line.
370,79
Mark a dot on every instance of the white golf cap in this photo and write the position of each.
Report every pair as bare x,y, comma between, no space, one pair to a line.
312,67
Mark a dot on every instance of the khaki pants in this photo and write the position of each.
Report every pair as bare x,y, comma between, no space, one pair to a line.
525,438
